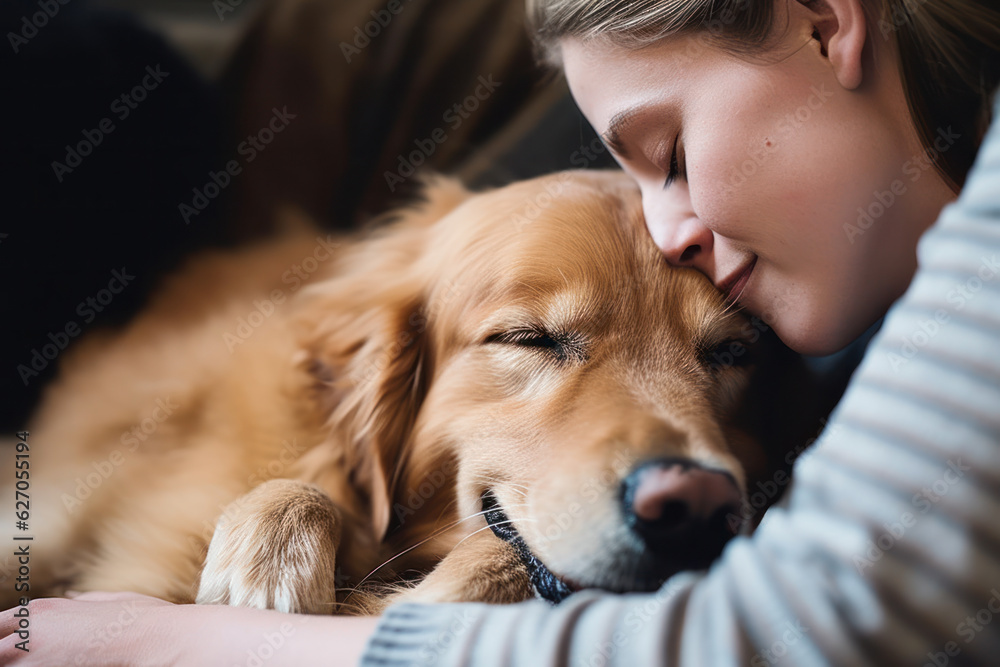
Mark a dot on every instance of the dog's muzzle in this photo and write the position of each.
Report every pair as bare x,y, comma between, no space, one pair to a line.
547,585
680,512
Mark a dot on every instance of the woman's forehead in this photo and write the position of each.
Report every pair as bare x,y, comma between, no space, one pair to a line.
614,85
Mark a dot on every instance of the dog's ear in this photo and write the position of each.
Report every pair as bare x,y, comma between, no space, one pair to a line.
364,332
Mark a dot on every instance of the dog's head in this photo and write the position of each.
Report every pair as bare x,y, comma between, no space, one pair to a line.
530,354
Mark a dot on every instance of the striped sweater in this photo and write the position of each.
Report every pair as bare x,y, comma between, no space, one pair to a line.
884,551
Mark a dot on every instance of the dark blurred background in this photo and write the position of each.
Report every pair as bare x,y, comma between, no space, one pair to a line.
93,218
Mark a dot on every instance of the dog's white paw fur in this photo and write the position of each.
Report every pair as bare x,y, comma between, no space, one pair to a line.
274,548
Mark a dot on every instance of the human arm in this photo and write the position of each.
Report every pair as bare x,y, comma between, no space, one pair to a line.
140,631
887,548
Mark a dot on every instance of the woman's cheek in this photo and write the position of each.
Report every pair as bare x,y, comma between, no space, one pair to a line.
727,193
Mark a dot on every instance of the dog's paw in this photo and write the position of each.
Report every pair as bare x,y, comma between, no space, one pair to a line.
274,548
481,568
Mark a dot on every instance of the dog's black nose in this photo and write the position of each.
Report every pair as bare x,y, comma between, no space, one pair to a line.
684,513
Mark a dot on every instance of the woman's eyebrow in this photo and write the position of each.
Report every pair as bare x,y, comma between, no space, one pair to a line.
616,127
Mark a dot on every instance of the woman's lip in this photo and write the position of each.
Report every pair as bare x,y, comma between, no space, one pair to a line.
735,283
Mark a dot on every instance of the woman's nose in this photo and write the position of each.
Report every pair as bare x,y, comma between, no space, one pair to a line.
687,243
682,238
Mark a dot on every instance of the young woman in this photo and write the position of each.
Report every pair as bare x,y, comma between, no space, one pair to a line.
799,154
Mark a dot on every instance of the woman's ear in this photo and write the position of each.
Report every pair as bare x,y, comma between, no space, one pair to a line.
841,28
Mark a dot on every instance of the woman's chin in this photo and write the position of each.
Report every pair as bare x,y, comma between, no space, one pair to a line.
815,336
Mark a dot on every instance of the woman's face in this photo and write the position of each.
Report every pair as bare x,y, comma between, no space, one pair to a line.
803,198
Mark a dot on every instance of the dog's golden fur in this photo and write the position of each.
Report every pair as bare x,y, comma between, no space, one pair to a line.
383,386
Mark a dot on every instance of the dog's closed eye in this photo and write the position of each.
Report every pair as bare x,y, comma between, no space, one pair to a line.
563,346
730,353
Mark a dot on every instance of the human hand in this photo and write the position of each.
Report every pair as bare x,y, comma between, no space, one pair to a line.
91,629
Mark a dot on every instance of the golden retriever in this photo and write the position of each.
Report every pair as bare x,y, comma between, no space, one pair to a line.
288,423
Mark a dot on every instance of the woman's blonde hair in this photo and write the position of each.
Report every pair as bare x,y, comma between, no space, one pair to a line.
948,50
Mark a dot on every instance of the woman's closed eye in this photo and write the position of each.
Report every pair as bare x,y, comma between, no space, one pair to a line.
673,169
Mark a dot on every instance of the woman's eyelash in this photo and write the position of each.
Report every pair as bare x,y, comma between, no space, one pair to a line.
673,170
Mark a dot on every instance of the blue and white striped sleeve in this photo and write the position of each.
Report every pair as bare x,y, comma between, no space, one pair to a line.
886,550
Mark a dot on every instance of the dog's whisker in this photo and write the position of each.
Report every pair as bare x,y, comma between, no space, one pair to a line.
511,486
733,303
449,506
493,481
435,534
341,606
479,530
731,306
